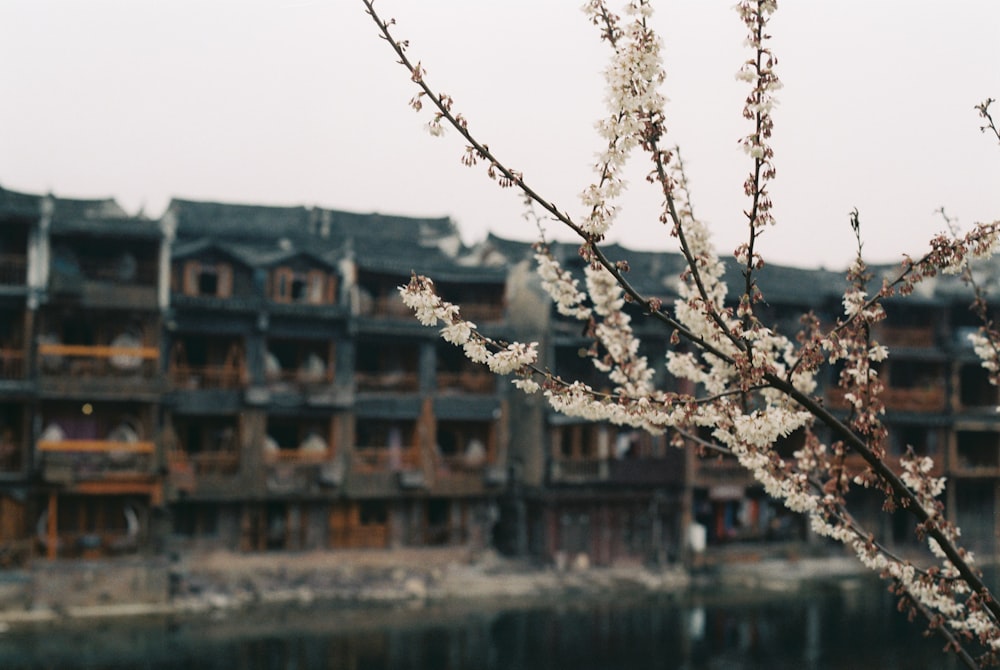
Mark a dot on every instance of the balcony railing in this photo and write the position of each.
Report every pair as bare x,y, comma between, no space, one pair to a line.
590,469
89,460
13,269
142,272
929,399
204,463
387,381
97,361
207,377
924,399
910,337
391,307
384,459
95,446
300,377
12,364
297,456
466,382
481,312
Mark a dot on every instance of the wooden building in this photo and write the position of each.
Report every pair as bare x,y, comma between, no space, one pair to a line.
247,378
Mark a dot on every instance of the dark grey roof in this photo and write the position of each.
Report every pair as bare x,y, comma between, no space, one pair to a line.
101,209
14,203
120,228
402,257
65,211
262,222
236,221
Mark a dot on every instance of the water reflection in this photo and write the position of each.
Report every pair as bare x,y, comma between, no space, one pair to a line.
851,627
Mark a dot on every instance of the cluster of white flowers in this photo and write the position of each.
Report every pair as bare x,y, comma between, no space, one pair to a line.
430,310
633,97
985,350
624,365
562,288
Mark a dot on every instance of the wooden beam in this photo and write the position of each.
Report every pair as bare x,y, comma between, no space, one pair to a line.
95,446
84,351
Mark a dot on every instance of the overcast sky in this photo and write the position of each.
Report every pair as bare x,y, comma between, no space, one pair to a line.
298,102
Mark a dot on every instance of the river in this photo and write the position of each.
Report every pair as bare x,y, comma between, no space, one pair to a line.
852,625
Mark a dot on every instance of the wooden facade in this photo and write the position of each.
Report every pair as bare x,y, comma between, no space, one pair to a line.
250,376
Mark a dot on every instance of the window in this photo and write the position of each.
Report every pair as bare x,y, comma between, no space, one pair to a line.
208,279
314,287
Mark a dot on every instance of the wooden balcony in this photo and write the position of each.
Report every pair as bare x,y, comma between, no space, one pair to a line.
714,471
13,364
183,465
912,337
13,269
389,307
480,313
95,447
77,360
297,456
300,379
191,377
70,461
406,382
582,470
143,273
380,459
924,399
466,382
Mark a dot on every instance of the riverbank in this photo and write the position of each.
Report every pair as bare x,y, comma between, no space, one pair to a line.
222,582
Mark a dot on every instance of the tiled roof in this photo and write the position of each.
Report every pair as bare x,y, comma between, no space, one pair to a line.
236,221
19,204
65,210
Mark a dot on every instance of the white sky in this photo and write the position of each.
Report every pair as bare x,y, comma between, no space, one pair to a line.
298,102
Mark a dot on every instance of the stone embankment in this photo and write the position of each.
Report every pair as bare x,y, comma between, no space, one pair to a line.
223,582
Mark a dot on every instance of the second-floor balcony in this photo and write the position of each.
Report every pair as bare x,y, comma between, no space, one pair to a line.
312,449
13,363
925,399
909,337
78,360
369,459
193,377
471,381
66,461
13,269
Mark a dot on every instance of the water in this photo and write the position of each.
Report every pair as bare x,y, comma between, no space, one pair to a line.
855,626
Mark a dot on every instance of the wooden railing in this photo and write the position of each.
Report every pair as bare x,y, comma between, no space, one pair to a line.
468,382
203,463
383,459
12,364
95,446
461,463
300,377
100,360
207,377
146,272
389,307
480,313
387,381
297,456
915,337
13,269
580,469
923,399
